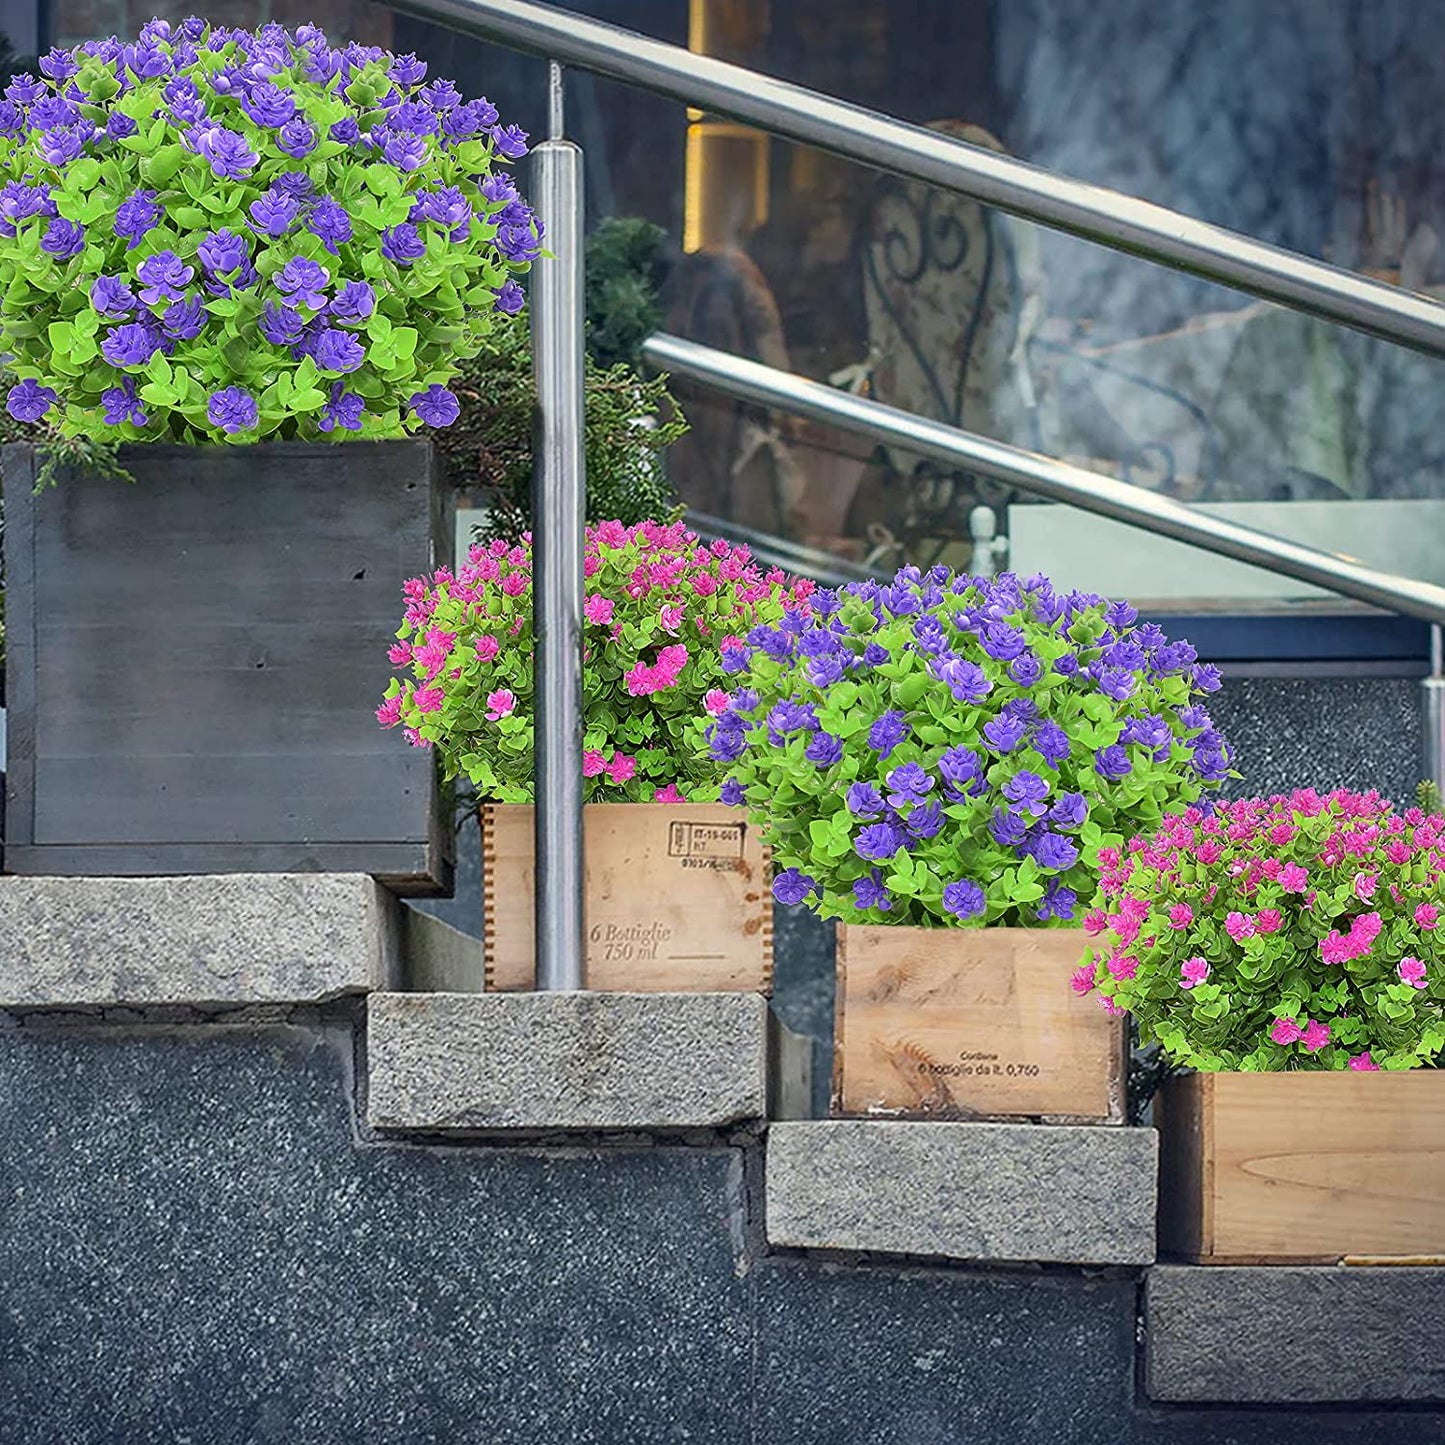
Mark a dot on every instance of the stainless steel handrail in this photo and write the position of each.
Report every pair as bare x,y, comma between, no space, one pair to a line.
1120,222
1042,476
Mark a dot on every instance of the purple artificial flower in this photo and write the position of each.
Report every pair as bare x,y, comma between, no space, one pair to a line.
337,350
51,111
60,146
1067,665
964,898
123,405
864,800
1002,642
521,243
1112,762
499,189
407,70
735,659
185,101
886,733
447,207
441,95
29,401
1125,653
510,141
281,325
275,213
345,132
732,793
791,886
878,842
111,297
1120,615
147,62
817,642
960,768
18,202
330,224
869,892
1057,902
354,303
1070,811
773,641
228,153
875,654
414,118
297,137
402,244
909,784
405,151
1206,678
1053,850
184,320
1052,743
791,717
131,345
925,821
268,105
824,749
25,90
1115,683
293,183
928,635
233,409
343,410
825,671
966,680
510,298
1007,829
1026,669
63,239
119,126
1027,793
163,277
58,64
222,252
303,283
136,216
1005,732
12,118
1149,731
899,598
726,739
435,406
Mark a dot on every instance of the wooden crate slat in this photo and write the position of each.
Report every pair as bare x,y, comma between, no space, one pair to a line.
678,899
971,1023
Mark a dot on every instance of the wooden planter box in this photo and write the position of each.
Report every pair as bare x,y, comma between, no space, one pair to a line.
678,899
975,1023
195,663
1302,1167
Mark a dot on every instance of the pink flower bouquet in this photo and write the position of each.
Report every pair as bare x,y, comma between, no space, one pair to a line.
665,621
1298,933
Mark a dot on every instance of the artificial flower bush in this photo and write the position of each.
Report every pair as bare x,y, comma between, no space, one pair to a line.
1301,932
218,235
955,751
660,606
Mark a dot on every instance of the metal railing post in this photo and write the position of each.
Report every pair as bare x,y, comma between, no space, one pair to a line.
1432,714
558,507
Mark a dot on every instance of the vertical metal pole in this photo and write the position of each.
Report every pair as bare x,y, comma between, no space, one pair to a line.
558,492
1432,713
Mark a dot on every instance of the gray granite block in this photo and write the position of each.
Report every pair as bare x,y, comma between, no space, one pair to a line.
1278,1335
542,1061
222,940
1048,1193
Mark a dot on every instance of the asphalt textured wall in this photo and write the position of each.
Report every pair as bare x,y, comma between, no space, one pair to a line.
200,1247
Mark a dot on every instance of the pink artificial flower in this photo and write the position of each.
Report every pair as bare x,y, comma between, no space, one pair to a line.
1110,1007
487,648
610,534
1286,1031
1123,967
669,794
429,699
1336,948
1192,971
1181,915
704,584
1365,930
1095,921
389,713
670,661
500,703
1427,915
593,763
1364,1064
1412,971
1293,878
716,701
1364,886
1082,980
1239,926
621,768
642,681
670,617
598,609
1397,850
1268,920
1316,1036
400,654
515,583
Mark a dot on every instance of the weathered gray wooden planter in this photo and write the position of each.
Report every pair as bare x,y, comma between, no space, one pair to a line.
195,662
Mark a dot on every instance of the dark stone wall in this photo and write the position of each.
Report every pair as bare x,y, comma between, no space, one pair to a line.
200,1244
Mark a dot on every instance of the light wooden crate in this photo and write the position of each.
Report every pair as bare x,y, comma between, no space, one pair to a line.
1304,1167
677,899
972,1023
